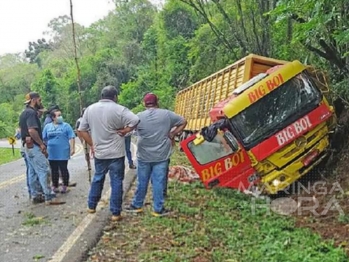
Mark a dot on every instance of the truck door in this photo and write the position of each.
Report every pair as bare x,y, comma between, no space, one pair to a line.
217,164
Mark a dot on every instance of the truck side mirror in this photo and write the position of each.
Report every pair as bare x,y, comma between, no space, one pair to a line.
231,141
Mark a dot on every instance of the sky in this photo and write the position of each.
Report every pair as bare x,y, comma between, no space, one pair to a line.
22,21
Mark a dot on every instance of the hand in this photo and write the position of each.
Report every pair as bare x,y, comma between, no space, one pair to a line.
43,148
171,135
122,132
72,152
92,152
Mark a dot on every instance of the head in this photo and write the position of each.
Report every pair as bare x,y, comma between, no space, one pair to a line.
33,99
110,92
51,108
56,116
150,100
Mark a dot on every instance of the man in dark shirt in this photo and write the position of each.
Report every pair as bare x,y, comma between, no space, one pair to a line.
34,148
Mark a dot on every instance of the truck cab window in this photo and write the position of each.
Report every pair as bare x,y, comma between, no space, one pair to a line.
207,152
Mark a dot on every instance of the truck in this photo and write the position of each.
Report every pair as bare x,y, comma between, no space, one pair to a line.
257,125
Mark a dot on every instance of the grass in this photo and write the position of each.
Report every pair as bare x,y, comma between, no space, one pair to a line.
7,156
216,225
32,220
179,158
211,225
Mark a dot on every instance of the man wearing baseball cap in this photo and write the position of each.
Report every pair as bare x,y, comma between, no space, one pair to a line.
154,150
34,148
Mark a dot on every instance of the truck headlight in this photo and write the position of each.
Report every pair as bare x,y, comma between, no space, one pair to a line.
276,182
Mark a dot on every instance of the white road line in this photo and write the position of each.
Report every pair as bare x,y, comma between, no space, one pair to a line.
71,240
19,178
12,181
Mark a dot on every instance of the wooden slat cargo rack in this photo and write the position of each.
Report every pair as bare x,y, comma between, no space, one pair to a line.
195,101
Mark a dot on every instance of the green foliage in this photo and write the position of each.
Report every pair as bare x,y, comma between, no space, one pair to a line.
8,120
6,154
46,85
34,50
213,225
32,220
139,48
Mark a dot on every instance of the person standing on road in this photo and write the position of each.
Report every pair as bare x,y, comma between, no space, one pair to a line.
97,127
35,148
48,118
78,133
154,141
60,139
22,151
128,151
77,124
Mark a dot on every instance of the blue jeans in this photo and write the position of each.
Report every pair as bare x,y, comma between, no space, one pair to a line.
116,168
38,170
166,180
26,171
157,173
128,150
38,187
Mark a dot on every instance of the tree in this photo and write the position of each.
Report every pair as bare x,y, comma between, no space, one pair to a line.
34,50
47,86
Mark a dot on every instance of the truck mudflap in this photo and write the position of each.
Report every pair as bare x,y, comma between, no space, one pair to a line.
218,166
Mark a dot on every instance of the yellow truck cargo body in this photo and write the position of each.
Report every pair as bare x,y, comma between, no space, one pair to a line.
195,101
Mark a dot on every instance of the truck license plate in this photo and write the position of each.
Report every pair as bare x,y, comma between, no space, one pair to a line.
310,157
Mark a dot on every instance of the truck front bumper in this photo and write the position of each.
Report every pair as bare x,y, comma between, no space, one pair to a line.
280,179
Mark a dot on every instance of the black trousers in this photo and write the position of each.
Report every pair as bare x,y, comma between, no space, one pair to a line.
61,165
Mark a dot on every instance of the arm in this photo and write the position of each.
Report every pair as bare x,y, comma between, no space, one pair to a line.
86,136
124,131
83,129
44,135
71,137
178,122
130,122
178,129
79,136
78,133
72,146
35,136
32,126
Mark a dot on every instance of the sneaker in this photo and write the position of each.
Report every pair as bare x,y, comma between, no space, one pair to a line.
64,189
38,199
116,218
55,189
91,210
132,166
164,212
133,209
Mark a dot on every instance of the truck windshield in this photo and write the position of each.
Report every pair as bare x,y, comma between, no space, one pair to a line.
278,109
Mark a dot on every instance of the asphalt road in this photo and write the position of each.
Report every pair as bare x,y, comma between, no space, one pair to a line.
65,232
5,143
